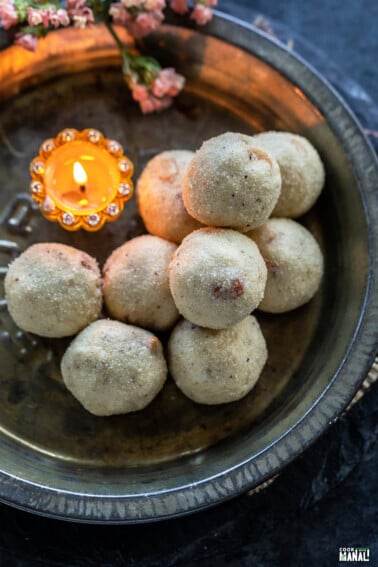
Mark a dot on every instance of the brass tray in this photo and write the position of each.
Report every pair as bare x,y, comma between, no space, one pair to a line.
176,456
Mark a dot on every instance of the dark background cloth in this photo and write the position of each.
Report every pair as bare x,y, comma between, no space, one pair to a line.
327,498
345,30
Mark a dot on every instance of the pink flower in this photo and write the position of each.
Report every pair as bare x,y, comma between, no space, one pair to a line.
158,87
133,3
201,14
34,17
81,14
144,23
179,6
79,22
73,5
157,95
87,13
28,41
58,18
154,5
139,92
83,17
119,14
167,82
63,17
153,104
54,19
8,14
45,17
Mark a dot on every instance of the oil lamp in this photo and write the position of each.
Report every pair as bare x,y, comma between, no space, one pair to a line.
81,179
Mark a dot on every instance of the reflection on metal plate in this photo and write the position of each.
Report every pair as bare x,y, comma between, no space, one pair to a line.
46,437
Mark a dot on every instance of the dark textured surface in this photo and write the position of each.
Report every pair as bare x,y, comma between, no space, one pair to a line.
324,500
346,30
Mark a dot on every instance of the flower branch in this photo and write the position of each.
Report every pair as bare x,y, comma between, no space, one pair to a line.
151,86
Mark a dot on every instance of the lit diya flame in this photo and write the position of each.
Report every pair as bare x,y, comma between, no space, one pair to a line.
79,175
81,179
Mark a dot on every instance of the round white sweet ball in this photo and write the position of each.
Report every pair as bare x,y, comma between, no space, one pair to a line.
294,261
53,290
231,183
217,367
217,277
136,283
160,199
302,171
113,368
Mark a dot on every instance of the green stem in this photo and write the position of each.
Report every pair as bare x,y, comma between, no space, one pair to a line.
145,69
126,56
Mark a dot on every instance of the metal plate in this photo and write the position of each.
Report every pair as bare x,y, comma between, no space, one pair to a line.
177,456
